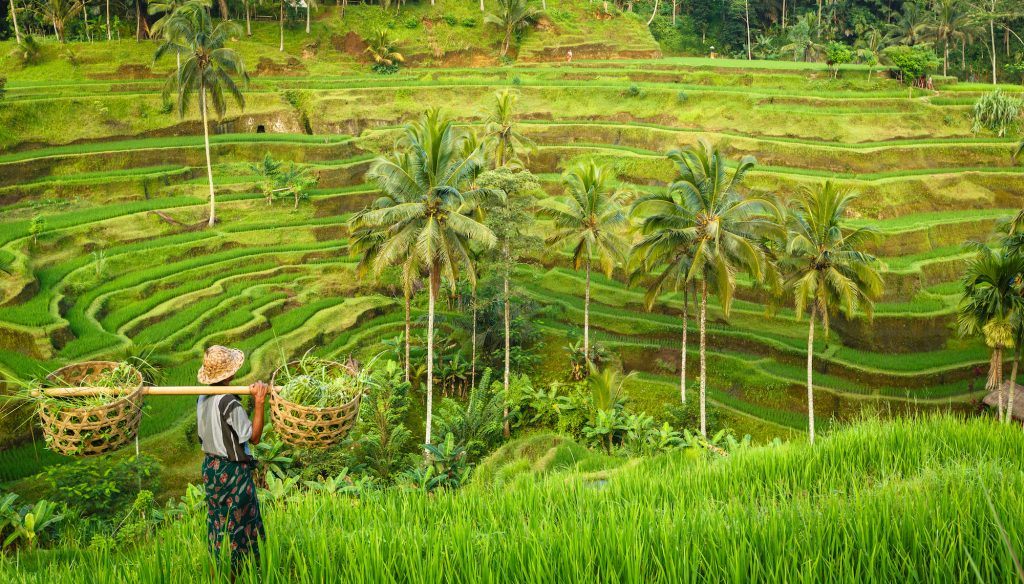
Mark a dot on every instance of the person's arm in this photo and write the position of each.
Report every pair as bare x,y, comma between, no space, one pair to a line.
258,391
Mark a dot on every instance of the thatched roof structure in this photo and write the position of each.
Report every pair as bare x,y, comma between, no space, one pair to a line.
1018,401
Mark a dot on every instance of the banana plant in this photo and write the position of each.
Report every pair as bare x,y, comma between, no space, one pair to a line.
273,459
280,489
30,526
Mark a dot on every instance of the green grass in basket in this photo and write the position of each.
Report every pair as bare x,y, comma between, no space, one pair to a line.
317,383
117,379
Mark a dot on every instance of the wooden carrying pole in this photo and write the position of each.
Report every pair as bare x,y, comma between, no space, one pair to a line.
149,390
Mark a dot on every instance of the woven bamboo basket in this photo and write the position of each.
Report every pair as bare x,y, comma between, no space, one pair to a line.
90,431
310,427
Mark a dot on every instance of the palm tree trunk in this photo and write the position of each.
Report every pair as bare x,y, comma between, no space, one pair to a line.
248,22
653,13
223,4
108,20
408,331
586,317
1012,385
810,373
85,21
307,16
682,359
206,143
992,30
783,15
819,15
508,341
281,48
995,364
945,60
435,280
14,18
675,9
482,9
703,358
472,366
746,5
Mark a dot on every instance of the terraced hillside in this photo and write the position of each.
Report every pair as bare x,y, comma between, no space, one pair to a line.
98,157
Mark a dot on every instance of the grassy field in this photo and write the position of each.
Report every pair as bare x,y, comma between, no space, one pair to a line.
921,500
92,150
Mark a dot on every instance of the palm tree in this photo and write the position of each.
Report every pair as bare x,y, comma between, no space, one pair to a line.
990,305
825,267
948,24
59,12
667,244
512,16
500,129
724,227
804,39
430,217
589,217
383,49
166,8
207,71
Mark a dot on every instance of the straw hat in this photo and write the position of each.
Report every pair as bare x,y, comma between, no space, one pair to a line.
219,363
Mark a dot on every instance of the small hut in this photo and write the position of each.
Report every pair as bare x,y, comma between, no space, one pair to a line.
991,400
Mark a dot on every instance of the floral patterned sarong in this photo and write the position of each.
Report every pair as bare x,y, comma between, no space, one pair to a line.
232,508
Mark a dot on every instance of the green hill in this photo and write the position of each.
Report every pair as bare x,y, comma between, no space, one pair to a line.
921,500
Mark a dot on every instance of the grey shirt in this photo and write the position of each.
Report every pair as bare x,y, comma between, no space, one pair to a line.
224,427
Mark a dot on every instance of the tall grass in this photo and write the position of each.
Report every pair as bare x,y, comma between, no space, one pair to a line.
880,502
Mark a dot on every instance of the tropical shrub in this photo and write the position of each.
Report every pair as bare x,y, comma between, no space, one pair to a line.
910,64
383,442
102,487
996,112
477,425
837,55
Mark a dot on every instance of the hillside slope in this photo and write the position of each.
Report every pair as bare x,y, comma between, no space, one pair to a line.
878,502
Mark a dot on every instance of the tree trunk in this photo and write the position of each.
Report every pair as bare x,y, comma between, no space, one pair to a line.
992,30
586,317
17,31
675,9
819,15
682,359
945,60
248,22
472,366
433,285
653,13
308,11
994,367
206,142
783,14
138,20
703,358
482,9
408,331
223,4
750,54
1012,385
810,374
281,48
108,20
85,20
508,340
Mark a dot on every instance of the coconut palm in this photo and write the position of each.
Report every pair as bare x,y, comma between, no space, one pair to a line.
589,217
383,49
166,9
512,17
207,72
947,24
666,245
826,269
59,12
429,215
500,129
724,226
990,305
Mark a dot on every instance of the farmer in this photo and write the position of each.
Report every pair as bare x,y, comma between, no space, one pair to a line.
226,433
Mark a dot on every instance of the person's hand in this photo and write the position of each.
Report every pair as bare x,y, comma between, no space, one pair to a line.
259,391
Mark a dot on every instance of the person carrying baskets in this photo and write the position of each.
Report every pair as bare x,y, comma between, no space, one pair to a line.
226,432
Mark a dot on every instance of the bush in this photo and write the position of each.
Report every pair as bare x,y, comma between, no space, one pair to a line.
911,63
450,20
996,112
837,55
383,69
633,91
412,22
470,22
681,97
102,487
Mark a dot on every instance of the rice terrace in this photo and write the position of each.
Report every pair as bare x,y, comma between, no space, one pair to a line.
511,291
